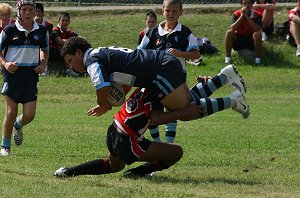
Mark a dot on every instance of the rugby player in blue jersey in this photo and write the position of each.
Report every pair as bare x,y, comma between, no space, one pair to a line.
156,70
24,52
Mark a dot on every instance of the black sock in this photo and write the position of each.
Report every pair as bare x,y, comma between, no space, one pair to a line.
95,167
149,167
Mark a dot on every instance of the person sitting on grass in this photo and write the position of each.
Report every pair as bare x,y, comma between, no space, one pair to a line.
126,142
60,34
245,32
266,8
294,27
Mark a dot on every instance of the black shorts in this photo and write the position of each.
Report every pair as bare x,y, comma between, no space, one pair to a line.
243,42
269,30
20,92
168,78
126,148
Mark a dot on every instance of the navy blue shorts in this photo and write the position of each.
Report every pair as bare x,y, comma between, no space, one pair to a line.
243,42
169,76
20,92
126,148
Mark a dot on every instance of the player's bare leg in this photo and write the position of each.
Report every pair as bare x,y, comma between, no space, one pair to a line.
159,156
178,99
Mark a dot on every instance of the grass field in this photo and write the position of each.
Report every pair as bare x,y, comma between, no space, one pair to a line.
224,155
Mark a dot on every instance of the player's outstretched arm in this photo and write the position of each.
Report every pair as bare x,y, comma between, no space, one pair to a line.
97,111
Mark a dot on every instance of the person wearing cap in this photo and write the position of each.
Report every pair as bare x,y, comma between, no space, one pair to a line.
24,52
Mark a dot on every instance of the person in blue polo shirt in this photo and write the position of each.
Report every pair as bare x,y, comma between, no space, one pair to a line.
176,39
24,52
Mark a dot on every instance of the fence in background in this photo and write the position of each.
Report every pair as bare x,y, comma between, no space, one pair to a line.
135,2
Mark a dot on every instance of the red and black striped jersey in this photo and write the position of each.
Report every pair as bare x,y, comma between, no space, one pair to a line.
134,117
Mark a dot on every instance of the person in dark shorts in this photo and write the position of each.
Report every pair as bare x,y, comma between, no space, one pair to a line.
24,52
176,39
294,27
266,8
245,32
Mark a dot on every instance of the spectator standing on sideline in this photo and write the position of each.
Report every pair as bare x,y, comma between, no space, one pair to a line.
60,34
266,8
40,19
294,26
150,20
5,15
176,39
245,31
24,55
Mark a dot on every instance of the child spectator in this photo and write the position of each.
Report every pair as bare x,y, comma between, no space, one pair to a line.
294,27
60,34
5,15
266,8
245,31
40,19
23,54
176,39
151,21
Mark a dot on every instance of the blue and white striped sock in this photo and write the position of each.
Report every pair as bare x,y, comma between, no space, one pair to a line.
213,105
154,132
18,124
6,142
171,131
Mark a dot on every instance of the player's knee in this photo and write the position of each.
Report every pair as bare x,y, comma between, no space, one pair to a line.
178,153
11,113
28,117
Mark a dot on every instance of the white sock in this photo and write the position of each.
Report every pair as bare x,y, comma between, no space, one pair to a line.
257,60
227,59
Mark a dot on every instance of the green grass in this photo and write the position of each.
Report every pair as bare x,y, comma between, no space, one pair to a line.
224,155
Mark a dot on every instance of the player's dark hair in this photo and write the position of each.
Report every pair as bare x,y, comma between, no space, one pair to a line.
39,6
64,14
151,13
173,2
252,1
74,43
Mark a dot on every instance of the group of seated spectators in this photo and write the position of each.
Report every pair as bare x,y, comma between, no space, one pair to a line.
251,25
58,35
